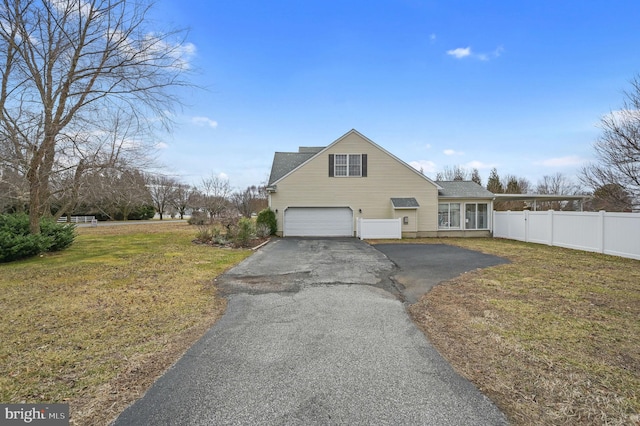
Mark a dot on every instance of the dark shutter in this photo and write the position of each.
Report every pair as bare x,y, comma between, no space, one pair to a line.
364,165
330,165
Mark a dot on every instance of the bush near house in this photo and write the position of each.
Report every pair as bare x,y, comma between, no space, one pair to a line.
267,217
17,243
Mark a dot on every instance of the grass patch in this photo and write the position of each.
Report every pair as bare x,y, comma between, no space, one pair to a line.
552,338
96,324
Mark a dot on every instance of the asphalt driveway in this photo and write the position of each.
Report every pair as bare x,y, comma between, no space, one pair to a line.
314,333
421,266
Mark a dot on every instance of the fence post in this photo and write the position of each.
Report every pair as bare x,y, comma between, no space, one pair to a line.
601,224
526,226
550,213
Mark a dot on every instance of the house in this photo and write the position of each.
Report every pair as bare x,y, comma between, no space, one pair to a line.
322,191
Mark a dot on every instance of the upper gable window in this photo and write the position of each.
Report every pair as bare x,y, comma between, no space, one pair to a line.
348,165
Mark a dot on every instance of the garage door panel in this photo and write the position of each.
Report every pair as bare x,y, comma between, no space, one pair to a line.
318,222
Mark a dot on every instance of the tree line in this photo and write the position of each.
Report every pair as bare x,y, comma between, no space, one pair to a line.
611,197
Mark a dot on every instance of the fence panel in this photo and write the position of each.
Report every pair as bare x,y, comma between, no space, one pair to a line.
379,228
611,233
622,234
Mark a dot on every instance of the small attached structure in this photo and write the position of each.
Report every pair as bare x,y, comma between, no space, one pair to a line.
464,209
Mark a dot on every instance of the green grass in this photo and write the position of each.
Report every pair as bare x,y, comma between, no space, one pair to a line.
94,324
553,337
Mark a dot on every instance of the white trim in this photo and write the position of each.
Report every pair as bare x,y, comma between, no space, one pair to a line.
348,155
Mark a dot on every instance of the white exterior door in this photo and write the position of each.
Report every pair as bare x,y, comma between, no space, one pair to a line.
318,222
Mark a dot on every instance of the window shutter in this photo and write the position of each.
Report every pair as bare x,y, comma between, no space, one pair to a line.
330,165
364,165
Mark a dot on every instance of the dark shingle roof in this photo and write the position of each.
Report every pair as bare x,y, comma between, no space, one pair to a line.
405,203
462,189
284,162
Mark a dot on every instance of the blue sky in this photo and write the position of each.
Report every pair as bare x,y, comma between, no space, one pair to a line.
516,85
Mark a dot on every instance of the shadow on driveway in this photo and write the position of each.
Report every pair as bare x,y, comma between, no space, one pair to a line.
423,266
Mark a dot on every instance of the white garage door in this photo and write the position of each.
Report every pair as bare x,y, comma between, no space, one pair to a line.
318,222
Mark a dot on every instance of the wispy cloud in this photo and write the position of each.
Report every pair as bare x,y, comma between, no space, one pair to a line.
424,165
570,160
204,121
466,52
432,38
460,52
162,145
479,165
452,152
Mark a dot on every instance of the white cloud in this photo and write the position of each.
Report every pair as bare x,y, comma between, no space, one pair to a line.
479,165
622,116
204,121
425,165
466,52
571,160
452,152
223,175
432,38
460,52
162,145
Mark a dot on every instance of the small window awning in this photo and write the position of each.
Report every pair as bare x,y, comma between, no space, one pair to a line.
404,203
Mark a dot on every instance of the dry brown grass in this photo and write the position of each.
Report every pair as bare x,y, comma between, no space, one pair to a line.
552,338
95,325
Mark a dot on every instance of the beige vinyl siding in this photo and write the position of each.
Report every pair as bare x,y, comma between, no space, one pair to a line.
311,186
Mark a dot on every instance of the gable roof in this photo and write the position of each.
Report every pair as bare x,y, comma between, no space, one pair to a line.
285,163
462,189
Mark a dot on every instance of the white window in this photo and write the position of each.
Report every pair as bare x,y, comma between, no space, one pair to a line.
348,165
476,216
449,215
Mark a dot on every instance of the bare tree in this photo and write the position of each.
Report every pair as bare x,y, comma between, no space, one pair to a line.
117,193
184,197
251,200
162,190
612,198
215,192
618,149
82,83
557,184
453,173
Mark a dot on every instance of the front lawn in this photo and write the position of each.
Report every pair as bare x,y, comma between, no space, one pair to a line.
552,338
96,324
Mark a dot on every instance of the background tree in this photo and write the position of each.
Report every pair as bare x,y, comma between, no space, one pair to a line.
513,185
456,173
475,177
215,195
617,150
612,198
251,200
118,195
557,184
80,79
493,184
184,197
163,191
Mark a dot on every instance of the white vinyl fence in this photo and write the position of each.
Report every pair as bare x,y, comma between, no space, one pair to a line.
379,229
609,233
